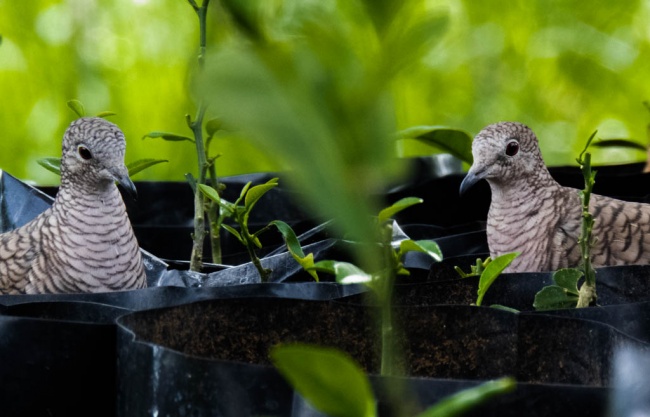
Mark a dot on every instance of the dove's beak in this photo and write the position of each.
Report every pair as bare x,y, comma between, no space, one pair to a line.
470,179
123,180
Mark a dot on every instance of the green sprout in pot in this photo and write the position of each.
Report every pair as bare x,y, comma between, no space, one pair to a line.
488,271
240,212
203,132
381,282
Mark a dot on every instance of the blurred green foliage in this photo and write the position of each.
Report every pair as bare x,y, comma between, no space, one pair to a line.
561,67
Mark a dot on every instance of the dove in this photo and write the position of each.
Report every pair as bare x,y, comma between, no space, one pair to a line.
84,242
532,214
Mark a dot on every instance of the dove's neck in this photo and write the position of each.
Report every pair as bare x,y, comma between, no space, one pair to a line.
92,203
526,193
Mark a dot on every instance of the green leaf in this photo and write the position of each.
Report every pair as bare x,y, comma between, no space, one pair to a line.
491,272
456,142
210,192
212,126
77,107
620,143
51,164
429,247
246,16
567,278
234,232
142,164
564,294
293,245
0,39
290,238
504,308
243,192
465,400
344,272
255,193
398,206
327,378
105,114
172,137
554,297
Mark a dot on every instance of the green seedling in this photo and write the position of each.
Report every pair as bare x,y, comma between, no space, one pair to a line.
347,273
491,272
381,282
202,134
240,212
332,382
565,293
475,270
488,270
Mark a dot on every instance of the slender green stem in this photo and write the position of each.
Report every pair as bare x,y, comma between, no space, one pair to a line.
196,260
196,125
587,294
215,218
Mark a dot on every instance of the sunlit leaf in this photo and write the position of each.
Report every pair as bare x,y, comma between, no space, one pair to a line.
213,126
619,143
210,192
396,207
492,272
429,247
51,164
142,164
295,249
290,238
105,114
77,107
329,379
172,137
456,142
344,272
460,403
255,193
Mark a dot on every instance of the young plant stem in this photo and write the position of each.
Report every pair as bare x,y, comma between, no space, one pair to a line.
587,294
196,260
214,218
196,125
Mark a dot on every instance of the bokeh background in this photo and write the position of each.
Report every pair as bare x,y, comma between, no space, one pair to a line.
565,68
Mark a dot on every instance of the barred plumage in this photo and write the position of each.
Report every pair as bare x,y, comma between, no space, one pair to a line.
84,242
531,213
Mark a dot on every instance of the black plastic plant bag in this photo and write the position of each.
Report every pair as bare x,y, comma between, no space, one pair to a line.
58,359
198,342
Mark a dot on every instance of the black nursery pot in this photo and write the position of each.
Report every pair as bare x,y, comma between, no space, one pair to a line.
170,358
58,359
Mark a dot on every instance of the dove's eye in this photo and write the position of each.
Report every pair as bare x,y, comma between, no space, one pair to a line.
512,148
84,153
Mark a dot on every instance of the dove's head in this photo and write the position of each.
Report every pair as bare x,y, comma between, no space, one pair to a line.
93,155
504,153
